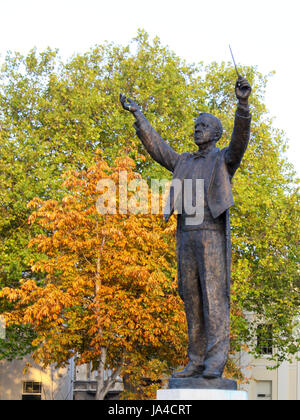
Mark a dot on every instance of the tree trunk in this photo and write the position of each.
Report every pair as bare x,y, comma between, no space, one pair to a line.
100,394
103,386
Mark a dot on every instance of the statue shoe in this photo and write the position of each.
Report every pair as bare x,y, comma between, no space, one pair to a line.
191,370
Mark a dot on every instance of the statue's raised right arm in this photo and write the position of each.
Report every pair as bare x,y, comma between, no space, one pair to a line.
241,130
158,149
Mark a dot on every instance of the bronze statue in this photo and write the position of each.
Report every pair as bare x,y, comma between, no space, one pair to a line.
203,250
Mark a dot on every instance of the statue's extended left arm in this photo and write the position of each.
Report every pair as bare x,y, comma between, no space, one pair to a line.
241,131
158,149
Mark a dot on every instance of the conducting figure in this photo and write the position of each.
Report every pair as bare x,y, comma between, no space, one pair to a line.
203,249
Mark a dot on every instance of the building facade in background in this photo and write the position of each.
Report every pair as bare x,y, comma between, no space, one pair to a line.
282,383
25,380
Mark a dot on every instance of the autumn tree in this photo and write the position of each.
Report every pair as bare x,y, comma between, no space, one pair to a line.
108,294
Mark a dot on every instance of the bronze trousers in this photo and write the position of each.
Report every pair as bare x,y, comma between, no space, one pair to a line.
203,286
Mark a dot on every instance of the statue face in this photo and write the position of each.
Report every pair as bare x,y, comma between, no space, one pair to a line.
205,130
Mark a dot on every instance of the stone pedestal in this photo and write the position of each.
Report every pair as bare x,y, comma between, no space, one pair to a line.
201,389
201,395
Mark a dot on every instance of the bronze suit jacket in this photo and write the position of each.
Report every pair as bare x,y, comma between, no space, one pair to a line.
223,164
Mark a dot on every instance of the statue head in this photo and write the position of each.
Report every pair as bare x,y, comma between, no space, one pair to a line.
208,128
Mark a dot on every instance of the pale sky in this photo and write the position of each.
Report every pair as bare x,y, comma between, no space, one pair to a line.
265,33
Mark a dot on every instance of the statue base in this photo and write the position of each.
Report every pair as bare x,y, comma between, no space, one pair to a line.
202,383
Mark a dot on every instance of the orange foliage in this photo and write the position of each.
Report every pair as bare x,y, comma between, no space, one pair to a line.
109,282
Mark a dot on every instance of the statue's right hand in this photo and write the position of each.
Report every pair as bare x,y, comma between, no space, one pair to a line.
130,105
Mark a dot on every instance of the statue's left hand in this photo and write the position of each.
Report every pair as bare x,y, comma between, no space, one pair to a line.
242,90
130,105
